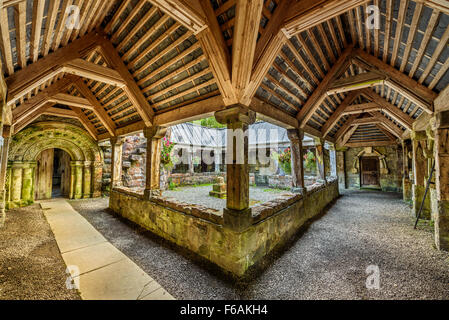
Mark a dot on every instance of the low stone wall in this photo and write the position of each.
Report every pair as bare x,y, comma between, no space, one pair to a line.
201,230
192,179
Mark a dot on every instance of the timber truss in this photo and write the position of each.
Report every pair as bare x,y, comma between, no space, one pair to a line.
311,65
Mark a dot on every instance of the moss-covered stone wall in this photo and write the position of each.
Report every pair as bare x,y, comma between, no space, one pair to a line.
201,230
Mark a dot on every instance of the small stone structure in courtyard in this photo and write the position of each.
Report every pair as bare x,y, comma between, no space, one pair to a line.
219,189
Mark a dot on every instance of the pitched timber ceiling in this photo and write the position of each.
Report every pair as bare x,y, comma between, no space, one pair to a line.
308,64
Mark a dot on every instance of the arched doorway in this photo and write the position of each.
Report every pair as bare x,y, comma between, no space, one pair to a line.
26,166
52,177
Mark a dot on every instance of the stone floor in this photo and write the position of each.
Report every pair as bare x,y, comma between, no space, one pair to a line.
329,261
99,270
200,196
31,266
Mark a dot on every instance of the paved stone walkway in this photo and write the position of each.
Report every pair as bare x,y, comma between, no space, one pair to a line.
100,269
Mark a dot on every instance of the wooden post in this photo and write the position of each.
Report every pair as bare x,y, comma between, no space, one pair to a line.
441,128
420,169
6,135
321,166
116,163
296,137
153,135
237,214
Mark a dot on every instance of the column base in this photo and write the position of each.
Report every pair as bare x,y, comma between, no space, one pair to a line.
418,195
442,226
236,220
148,194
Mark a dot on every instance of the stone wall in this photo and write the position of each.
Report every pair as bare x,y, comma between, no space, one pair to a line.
201,230
390,180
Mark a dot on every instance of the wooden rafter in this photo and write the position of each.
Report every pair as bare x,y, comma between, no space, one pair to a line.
338,113
360,81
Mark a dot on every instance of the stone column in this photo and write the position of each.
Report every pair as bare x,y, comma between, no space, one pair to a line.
6,134
97,179
87,180
341,168
153,135
28,183
72,179
441,127
116,162
333,160
406,183
237,214
79,166
321,166
16,182
190,155
296,137
420,169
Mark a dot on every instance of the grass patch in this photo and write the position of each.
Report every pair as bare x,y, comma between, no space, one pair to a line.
275,190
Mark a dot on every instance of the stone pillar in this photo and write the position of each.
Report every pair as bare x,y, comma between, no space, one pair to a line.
79,166
406,183
87,180
97,179
153,135
441,127
16,182
296,137
420,169
6,135
116,162
333,160
320,163
190,155
341,168
237,214
72,179
28,183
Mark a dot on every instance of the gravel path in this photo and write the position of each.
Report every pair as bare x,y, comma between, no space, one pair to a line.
200,195
31,266
328,261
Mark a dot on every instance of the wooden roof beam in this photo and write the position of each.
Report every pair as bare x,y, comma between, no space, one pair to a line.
92,71
398,81
188,13
306,14
71,101
131,89
214,47
98,108
87,124
365,121
246,30
361,108
36,113
338,113
357,82
34,75
320,93
397,114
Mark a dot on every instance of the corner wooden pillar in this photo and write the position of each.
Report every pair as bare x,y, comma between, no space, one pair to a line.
296,137
420,170
237,214
116,163
153,135
6,135
442,180
320,163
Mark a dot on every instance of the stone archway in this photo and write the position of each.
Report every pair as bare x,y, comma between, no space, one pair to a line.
367,152
27,145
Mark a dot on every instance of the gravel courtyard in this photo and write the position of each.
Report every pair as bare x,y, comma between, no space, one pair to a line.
328,261
31,266
200,196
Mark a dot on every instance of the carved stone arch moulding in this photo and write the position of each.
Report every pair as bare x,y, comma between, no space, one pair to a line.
370,151
26,146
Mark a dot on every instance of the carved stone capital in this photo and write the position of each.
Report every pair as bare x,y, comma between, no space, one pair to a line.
154,132
236,113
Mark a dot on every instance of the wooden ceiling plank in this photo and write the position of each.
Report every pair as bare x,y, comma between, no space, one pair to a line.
5,42
388,22
360,81
398,35
124,24
115,19
435,56
61,26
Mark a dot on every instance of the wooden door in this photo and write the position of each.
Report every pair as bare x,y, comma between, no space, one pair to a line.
44,175
370,172
65,175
